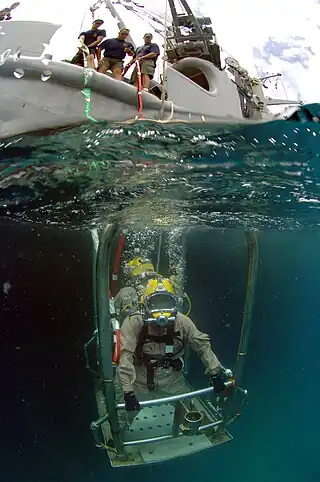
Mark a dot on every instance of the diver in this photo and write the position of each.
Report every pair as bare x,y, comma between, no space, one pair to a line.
89,41
138,271
152,343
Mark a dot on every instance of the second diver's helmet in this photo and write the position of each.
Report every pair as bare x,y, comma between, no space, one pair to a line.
138,267
159,302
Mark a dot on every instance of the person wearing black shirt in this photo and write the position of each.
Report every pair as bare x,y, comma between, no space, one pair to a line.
115,50
89,43
147,55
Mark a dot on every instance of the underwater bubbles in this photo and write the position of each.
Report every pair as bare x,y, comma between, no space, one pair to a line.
4,56
18,73
46,74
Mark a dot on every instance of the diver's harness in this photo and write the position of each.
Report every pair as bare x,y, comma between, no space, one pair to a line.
169,360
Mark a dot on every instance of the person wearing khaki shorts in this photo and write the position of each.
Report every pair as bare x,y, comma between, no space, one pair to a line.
115,50
111,63
147,55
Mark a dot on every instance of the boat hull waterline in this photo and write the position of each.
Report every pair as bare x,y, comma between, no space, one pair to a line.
51,97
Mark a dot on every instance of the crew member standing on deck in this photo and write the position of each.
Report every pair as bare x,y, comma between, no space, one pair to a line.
89,41
115,50
147,55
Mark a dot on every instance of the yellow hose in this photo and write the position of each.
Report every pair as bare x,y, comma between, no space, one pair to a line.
190,304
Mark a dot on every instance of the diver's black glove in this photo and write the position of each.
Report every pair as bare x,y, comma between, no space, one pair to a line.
131,402
218,382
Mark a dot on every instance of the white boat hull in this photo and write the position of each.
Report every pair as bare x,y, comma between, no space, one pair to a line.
39,97
30,104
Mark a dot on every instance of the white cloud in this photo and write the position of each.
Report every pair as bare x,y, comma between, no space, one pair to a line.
241,26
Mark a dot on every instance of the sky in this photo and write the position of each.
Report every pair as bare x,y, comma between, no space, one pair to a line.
272,37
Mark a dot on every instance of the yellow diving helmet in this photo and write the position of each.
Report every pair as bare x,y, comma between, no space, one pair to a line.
159,301
139,266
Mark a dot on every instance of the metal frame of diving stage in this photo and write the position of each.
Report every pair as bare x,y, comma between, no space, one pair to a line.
216,420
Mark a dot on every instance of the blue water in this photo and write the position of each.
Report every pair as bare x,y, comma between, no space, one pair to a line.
166,174
47,397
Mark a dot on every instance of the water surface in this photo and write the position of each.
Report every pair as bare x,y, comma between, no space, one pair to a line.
263,176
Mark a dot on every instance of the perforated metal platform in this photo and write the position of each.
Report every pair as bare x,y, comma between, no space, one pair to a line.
178,447
157,452
157,421
153,421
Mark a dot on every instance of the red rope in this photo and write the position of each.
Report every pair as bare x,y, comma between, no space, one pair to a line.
139,88
127,67
139,85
